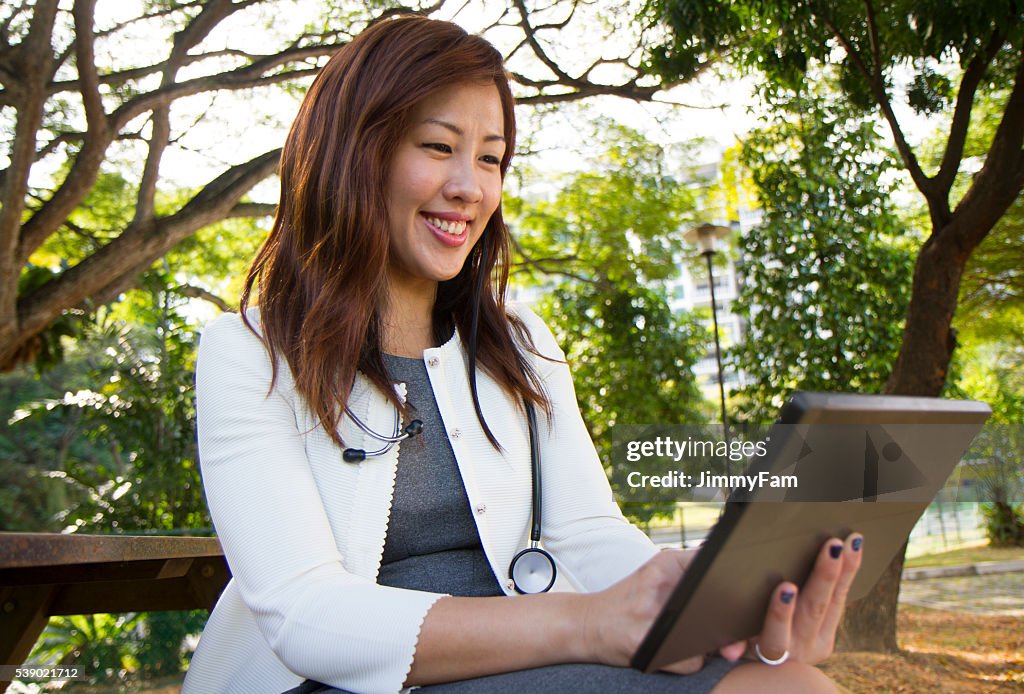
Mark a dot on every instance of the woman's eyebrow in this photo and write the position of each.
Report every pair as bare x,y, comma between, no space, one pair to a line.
458,131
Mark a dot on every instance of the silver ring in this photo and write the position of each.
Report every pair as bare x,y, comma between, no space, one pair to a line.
768,661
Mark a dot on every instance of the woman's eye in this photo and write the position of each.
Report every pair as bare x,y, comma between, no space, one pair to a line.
438,146
491,159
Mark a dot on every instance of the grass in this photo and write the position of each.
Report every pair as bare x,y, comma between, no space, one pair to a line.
966,555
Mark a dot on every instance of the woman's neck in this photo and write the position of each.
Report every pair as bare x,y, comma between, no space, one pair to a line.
409,318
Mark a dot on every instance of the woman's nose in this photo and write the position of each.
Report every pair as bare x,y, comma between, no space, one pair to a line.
464,183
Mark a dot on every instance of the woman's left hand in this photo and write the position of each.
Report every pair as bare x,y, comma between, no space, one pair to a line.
804,623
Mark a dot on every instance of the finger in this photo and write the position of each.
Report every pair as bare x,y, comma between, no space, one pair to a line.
774,639
852,556
686,667
734,651
816,595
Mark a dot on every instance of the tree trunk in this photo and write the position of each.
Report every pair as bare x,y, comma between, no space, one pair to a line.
921,369
870,623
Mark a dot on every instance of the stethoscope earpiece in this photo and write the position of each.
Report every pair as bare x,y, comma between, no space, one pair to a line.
358,455
353,455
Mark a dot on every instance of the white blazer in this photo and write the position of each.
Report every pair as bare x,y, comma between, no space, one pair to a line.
303,531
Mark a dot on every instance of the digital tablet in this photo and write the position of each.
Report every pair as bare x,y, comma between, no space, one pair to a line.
865,463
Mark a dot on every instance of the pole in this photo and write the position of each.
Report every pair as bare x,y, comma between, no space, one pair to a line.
718,357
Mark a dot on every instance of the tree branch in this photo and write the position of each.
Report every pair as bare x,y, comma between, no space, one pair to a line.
531,38
95,116
99,134
538,265
138,246
81,177
876,46
195,292
1001,178
253,209
877,84
32,60
114,79
969,82
160,132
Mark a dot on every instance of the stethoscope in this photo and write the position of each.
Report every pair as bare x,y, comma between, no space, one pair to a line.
532,570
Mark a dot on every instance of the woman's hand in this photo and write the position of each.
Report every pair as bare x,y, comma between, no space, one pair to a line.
617,619
804,622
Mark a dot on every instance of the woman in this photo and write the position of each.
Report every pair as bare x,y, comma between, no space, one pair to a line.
370,567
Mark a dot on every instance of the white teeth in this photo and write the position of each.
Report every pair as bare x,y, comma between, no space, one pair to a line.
453,228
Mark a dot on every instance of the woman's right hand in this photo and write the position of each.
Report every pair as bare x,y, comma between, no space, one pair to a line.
616,620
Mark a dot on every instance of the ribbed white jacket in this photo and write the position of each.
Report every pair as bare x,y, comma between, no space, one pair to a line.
303,531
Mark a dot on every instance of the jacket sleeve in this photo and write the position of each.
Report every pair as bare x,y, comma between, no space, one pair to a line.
321,621
583,527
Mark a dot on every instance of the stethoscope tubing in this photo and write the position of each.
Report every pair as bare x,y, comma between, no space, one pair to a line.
533,552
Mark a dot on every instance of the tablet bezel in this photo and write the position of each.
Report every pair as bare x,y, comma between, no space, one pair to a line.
880,522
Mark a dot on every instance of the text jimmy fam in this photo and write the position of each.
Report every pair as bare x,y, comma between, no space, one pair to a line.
676,479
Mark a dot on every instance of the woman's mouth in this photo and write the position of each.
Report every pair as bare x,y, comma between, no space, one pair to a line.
449,232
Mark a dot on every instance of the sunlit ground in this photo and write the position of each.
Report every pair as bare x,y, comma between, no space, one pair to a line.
942,652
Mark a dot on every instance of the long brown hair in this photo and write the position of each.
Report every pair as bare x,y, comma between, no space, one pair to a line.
321,273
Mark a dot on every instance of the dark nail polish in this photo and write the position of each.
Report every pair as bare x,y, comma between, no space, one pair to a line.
857,542
835,550
787,597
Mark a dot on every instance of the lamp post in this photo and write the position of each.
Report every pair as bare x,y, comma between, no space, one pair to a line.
705,237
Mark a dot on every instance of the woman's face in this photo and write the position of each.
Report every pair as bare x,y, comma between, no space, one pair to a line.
445,182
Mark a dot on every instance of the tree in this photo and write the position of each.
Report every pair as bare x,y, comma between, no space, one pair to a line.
607,241
825,285
955,50
94,95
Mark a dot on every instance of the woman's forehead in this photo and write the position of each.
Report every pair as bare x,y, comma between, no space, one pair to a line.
461,108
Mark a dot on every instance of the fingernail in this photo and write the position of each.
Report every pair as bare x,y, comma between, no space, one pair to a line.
787,597
857,542
835,550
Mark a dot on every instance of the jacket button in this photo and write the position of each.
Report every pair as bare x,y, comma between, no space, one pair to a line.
433,361
510,584
456,434
481,509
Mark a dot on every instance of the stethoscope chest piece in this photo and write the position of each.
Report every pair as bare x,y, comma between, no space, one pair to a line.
532,571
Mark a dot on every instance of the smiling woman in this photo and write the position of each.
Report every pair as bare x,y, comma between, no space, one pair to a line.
375,314
444,186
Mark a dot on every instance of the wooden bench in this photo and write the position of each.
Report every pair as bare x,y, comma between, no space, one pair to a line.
44,574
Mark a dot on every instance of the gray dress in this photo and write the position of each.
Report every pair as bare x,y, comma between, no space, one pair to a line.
432,544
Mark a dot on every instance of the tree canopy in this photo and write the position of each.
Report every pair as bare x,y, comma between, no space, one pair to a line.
826,281
100,104
953,51
603,245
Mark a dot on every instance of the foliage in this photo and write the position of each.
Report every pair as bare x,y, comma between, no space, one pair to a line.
604,242
160,648
117,649
1004,524
137,415
782,38
102,646
632,360
825,281
998,452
